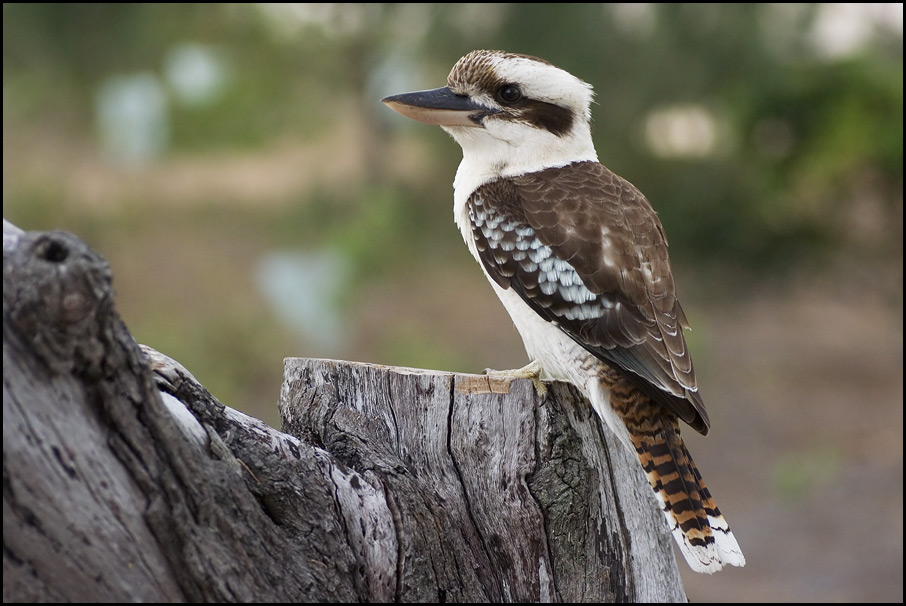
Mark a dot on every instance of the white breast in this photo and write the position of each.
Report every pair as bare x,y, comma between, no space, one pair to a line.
561,358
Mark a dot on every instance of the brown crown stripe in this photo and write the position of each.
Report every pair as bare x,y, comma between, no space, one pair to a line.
475,74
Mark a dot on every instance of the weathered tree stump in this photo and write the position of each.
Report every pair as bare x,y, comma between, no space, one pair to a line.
125,480
492,492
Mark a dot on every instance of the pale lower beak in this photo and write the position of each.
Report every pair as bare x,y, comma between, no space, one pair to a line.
439,106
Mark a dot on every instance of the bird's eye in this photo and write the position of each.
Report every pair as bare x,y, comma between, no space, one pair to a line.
509,94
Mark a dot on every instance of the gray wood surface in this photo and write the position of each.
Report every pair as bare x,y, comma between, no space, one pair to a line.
125,480
495,493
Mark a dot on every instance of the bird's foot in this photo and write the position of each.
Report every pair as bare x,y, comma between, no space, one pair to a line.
530,371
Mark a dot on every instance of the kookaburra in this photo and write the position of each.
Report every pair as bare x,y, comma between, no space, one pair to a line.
579,259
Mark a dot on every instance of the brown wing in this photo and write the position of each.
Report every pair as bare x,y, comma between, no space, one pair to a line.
586,251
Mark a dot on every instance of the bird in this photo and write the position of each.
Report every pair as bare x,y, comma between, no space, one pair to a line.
579,260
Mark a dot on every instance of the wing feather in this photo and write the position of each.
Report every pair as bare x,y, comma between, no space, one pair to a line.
586,251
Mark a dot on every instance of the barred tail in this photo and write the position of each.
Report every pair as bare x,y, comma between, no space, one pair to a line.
697,524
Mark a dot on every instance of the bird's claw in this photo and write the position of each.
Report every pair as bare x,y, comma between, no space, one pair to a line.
531,371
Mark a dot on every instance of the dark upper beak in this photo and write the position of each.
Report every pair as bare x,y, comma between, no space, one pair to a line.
439,106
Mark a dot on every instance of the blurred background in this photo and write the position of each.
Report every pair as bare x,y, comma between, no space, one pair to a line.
256,201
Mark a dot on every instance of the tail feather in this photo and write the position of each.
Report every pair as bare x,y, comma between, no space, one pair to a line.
702,533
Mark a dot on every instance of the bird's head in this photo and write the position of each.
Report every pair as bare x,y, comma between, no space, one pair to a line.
516,112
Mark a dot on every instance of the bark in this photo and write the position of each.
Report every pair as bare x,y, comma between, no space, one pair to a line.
125,480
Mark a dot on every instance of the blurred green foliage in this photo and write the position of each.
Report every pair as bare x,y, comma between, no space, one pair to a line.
755,202
807,158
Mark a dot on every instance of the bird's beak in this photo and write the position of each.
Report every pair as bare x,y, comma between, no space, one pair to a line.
440,106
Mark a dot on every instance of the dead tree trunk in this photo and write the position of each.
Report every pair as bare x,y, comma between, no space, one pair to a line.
125,480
